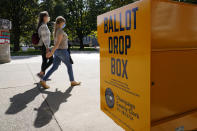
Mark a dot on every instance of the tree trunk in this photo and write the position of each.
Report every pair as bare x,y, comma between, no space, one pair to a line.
81,43
16,41
16,34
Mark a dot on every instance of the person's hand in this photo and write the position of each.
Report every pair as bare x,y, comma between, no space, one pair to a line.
47,50
49,54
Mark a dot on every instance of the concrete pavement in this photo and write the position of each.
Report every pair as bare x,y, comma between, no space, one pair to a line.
24,106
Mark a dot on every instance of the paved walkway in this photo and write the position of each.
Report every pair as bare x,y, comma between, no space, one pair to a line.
24,107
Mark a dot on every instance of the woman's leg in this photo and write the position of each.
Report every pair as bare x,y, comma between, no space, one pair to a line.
44,59
44,62
56,63
48,63
65,57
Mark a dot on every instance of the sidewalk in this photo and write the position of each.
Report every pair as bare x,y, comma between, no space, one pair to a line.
24,107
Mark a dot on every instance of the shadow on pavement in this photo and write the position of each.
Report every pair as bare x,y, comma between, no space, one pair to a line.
20,101
45,111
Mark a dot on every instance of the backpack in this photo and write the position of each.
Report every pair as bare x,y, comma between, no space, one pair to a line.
35,39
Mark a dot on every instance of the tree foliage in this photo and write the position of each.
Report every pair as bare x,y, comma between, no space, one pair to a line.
81,16
119,3
22,14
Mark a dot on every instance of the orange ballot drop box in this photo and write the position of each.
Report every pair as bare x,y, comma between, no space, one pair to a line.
148,65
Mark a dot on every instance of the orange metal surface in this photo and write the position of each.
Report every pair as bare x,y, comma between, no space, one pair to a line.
173,65
130,97
174,76
174,25
173,49
186,122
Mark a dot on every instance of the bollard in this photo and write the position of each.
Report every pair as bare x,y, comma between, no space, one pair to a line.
148,65
5,26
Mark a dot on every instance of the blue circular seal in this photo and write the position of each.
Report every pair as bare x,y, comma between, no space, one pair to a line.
109,97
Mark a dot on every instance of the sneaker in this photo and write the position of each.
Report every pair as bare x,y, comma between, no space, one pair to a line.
44,85
74,83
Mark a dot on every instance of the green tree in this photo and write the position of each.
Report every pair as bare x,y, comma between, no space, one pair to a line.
81,16
95,8
48,5
76,18
23,14
113,4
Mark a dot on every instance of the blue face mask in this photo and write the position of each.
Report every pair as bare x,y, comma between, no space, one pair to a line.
64,26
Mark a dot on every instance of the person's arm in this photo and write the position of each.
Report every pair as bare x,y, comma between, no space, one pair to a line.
59,39
45,36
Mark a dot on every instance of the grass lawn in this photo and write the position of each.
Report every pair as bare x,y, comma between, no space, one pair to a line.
24,53
38,52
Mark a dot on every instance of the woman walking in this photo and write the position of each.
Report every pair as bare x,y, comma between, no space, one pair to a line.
60,51
45,40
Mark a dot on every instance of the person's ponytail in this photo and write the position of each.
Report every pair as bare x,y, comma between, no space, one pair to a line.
55,29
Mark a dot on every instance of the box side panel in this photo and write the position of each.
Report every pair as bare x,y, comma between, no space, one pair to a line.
173,74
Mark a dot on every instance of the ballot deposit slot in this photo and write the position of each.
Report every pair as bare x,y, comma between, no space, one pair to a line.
148,60
5,26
